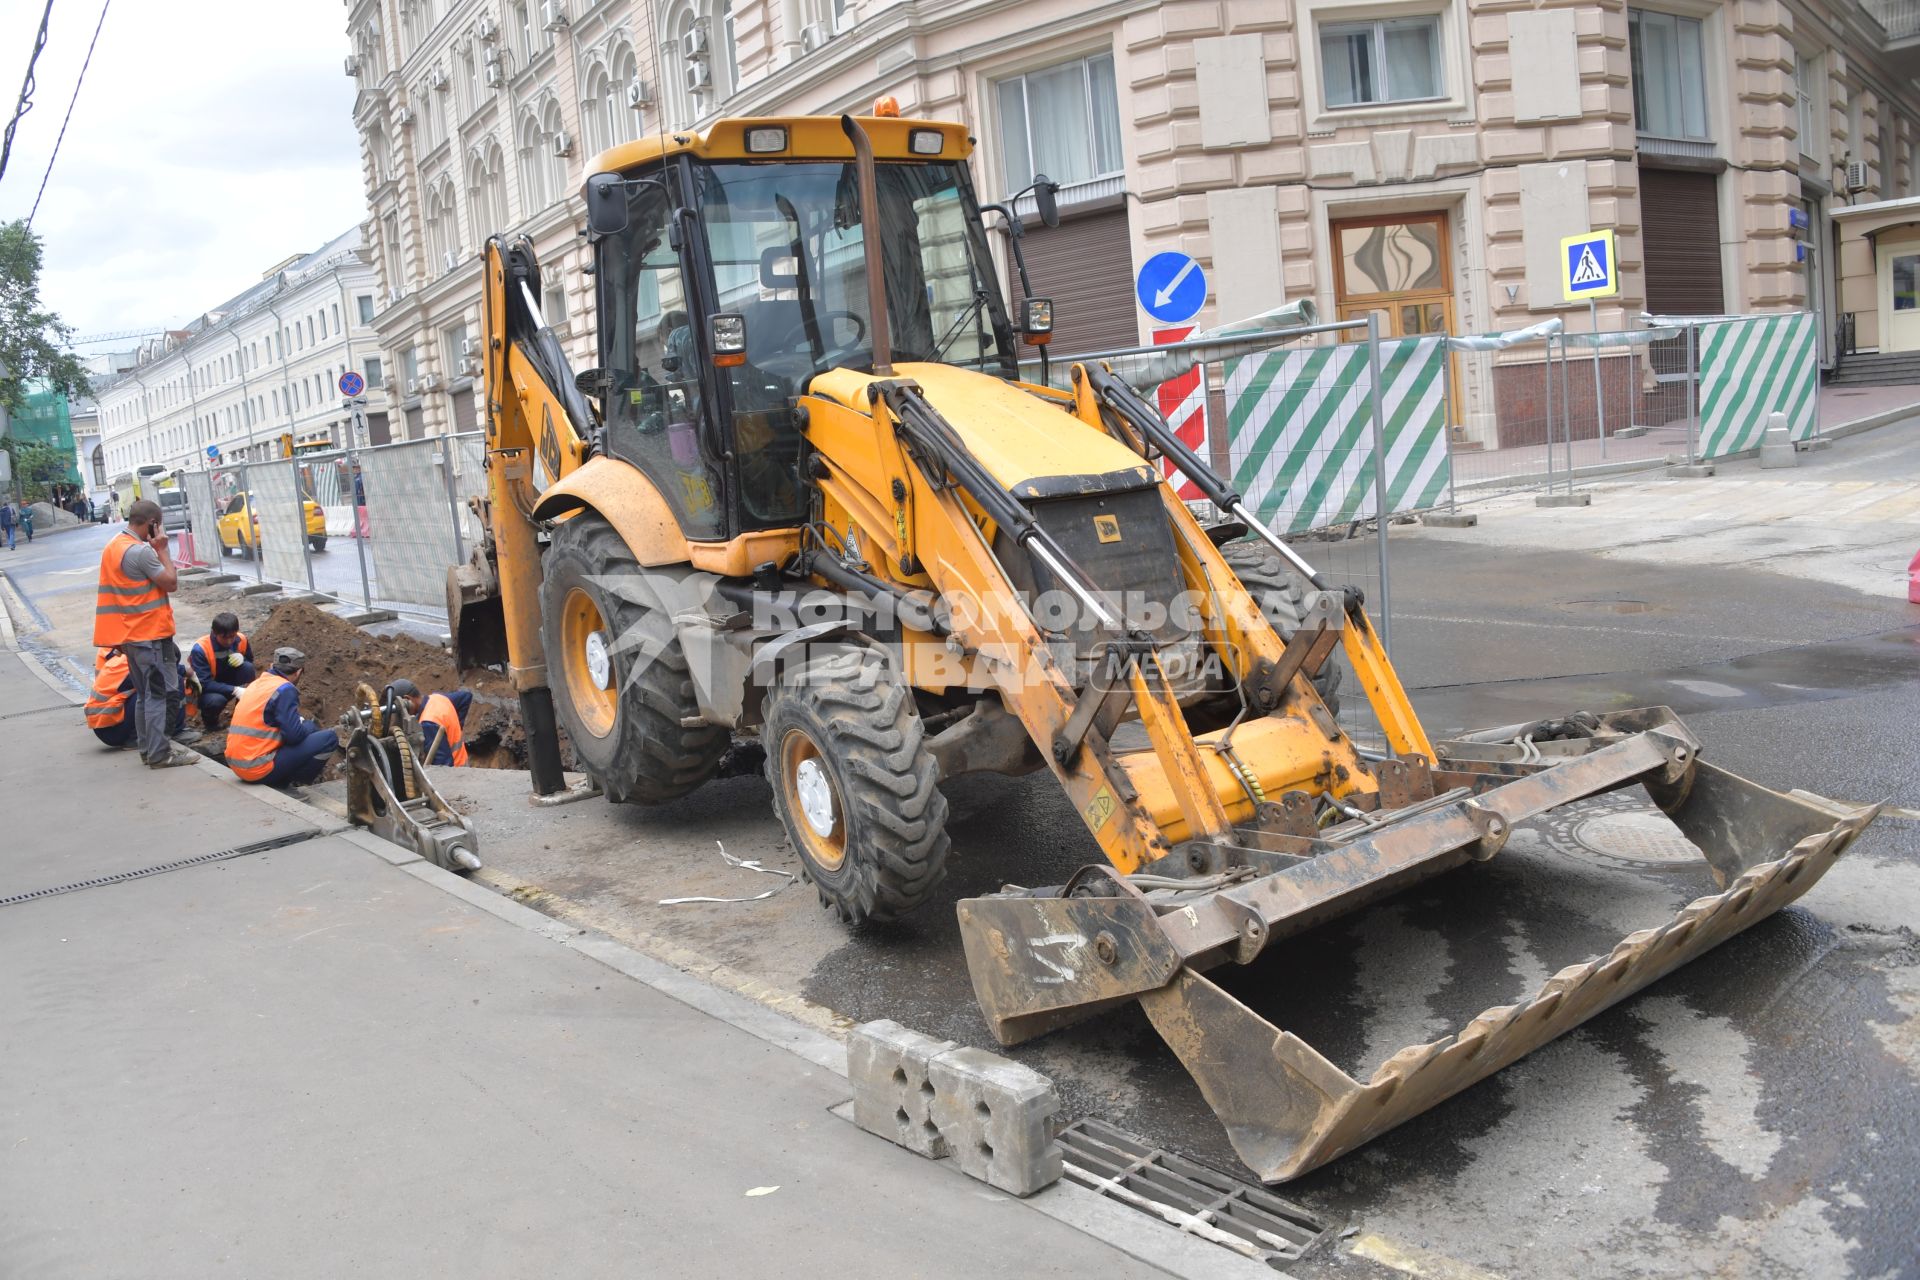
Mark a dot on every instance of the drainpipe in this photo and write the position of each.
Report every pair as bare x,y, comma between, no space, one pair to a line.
286,383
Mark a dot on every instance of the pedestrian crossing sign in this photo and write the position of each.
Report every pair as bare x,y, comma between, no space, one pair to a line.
1588,267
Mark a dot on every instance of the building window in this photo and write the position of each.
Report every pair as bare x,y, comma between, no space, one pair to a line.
523,28
1367,63
496,187
336,317
365,303
454,342
1063,121
410,367
551,127
1807,73
553,306
623,121
533,170
1906,282
1669,75
729,54
373,372
596,115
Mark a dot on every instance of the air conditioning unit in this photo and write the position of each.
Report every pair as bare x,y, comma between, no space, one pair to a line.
563,143
813,35
490,55
353,65
553,14
437,79
1856,176
495,75
451,260
394,295
469,347
403,117
429,382
698,77
693,44
488,27
470,367
639,94
413,386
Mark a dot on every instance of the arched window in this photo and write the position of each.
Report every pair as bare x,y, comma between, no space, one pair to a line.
623,120
534,192
480,217
551,127
680,102
496,186
725,56
595,119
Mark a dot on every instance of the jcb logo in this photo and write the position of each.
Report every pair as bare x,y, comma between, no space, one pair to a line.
1107,527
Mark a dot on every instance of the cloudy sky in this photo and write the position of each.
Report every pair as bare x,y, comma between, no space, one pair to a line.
212,139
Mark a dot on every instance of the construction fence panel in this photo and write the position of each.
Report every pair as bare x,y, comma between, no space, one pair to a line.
202,516
410,534
469,481
1751,369
1605,398
279,508
1302,432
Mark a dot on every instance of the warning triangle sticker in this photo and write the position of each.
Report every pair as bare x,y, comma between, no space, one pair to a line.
1588,271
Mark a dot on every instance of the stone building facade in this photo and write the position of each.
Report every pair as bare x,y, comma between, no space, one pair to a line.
1419,158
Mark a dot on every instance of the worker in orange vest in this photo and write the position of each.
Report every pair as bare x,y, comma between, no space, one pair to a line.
442,720
112,706
131,613
268,740
222,660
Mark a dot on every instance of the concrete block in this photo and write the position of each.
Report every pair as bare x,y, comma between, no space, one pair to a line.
888,1067
219,577
260,589
1563,500
1450,519
1690,471
1630,433
999,1119
1814,443
361,617
1776,446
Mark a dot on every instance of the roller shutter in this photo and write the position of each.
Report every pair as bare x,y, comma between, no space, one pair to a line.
1086,266
1680,217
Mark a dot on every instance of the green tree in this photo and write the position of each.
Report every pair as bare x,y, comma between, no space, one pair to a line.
31,337
36,464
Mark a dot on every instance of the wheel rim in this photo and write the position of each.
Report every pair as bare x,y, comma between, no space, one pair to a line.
813,799
587,660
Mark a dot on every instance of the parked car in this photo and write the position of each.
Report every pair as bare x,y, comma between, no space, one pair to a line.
173,510
239,526
102,510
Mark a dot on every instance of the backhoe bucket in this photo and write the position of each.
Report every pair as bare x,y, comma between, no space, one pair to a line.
1039,962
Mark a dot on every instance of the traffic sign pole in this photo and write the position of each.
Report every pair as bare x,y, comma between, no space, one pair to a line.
1599,398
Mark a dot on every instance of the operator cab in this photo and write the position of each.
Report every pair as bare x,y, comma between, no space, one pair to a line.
731,269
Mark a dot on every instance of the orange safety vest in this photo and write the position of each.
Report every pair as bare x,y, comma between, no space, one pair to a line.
251,741
127,609
439,711
107,704
205,645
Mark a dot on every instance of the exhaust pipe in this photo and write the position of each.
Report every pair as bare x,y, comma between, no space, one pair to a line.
878,324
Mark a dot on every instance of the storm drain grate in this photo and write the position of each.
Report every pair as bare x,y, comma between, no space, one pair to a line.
121,877
1237,1215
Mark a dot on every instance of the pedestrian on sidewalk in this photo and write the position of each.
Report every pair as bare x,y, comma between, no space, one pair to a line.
6,522
442,719
222,661
268,740
113,705
132,613
26,521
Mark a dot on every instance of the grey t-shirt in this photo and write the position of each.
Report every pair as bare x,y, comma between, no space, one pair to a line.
140,561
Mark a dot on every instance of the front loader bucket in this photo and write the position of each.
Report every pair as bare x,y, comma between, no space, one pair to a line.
1039,962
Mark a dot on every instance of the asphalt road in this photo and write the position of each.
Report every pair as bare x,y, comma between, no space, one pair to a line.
1756,1113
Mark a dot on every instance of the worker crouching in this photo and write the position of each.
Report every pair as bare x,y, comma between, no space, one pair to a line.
222,661
268,740
442,720
113,704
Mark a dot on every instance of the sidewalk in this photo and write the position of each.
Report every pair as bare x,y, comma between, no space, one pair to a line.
312,1061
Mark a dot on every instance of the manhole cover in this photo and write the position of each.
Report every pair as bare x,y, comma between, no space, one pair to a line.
1607,606
1638,836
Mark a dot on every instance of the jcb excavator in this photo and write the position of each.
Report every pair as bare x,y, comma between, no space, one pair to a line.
806,492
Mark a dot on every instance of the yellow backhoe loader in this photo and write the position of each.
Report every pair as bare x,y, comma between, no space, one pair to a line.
805,492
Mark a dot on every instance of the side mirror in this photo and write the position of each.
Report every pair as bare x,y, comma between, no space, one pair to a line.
1043,193
606,195
1036,321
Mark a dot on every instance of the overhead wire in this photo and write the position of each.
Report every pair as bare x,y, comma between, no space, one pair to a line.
25,103
81,79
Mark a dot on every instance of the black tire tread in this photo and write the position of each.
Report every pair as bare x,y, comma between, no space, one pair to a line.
1280,592
896,842
657,758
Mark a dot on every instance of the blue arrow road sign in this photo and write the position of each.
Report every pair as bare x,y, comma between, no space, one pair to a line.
213,451
1171,287
352,384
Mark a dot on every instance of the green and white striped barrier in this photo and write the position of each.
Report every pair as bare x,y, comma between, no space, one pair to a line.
1300,431
1752,368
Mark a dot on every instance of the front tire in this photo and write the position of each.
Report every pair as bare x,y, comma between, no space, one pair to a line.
856,787
318,542
1279,592
621,687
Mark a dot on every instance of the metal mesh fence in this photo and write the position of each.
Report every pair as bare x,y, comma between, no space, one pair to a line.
279,519
410,535
201,516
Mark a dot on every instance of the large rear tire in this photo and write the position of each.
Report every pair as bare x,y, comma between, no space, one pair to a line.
1279,592
855,786
620,683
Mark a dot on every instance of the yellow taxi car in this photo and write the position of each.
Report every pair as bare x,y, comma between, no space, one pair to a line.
239,526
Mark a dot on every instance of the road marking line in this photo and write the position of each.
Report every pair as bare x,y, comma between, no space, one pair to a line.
1416,1262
